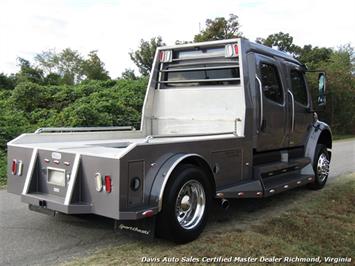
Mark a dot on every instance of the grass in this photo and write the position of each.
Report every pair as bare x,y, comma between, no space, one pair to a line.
321,223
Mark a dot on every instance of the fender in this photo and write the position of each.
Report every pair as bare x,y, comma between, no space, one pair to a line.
319,128
163,175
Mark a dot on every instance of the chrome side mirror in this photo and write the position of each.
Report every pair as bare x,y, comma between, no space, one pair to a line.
321,89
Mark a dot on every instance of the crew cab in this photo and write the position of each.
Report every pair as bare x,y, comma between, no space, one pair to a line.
221,119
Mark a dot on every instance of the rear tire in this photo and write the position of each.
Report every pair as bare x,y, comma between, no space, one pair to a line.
320,166
186,203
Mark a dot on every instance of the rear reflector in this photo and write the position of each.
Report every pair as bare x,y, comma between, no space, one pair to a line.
99,185
108,185
231,50
14,167
148,213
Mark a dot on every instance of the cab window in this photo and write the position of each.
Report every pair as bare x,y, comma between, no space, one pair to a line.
271,83
298,87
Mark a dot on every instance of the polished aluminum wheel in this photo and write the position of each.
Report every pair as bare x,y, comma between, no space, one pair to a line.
190,204
322,167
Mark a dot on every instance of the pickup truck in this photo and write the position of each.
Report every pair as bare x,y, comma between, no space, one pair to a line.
221,119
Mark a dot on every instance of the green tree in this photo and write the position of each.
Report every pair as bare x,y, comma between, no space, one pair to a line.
144,56
128,74
28,95
220,28
47,61
69,64
28,72
53,79
283,41
340,110
312,56
94,68
7,82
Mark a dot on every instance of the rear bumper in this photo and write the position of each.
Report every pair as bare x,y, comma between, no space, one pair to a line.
48,202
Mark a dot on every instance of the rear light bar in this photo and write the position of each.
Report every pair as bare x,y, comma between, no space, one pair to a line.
108,185
103,183
166,56
16,167
99,184
231,50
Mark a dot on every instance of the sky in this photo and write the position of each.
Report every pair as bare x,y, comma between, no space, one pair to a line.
115,27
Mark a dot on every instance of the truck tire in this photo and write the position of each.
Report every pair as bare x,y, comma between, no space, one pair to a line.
186,203
320,166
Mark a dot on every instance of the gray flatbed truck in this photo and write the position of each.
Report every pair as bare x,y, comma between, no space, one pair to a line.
222,119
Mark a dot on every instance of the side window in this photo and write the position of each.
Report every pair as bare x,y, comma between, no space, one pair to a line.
298,87
271,82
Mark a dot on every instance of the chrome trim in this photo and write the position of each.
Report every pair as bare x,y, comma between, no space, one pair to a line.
197,68
293,111
261,102
72,180
201,44
81,129
198,80
199,57
30,171
150,137
228,62
167,175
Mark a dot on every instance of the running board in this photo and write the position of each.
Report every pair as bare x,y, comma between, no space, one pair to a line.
249,189
280,167
265,187
281,183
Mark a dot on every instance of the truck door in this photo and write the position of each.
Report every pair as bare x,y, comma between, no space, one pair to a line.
299,105
272,122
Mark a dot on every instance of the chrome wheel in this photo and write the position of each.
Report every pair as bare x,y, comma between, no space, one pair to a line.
322,167
190,204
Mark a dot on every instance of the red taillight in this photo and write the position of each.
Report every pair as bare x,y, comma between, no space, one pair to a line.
14,167
148,213
108,185
236,51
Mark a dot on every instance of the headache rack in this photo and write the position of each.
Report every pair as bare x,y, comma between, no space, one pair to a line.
199,67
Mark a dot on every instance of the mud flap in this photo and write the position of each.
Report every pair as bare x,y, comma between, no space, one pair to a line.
139,228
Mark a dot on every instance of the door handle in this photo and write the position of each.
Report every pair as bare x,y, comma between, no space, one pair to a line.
261,103
293,111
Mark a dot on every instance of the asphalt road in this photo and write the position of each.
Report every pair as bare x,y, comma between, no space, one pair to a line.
29,238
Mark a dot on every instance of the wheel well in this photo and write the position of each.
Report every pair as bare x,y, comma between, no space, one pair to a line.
200,162
325,138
